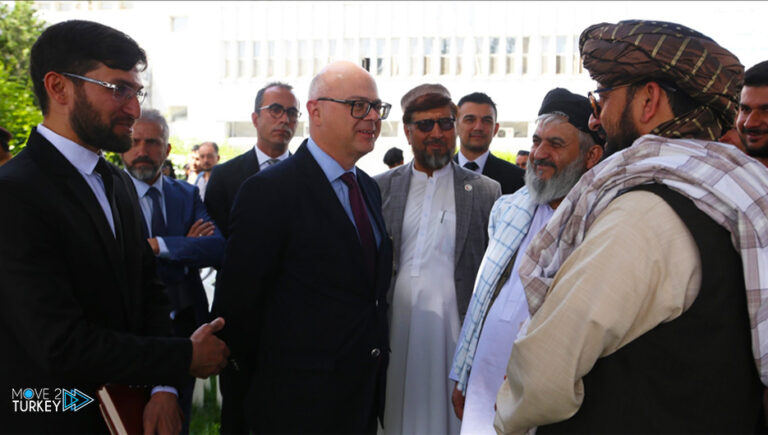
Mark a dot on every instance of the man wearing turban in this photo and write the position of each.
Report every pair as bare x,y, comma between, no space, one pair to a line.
646,288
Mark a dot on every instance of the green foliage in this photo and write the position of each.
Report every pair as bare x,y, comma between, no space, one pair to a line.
504,155
19,28
206,420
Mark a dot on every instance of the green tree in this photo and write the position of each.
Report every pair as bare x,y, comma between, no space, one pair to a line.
19,28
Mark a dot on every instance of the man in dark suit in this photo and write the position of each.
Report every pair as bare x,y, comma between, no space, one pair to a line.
82,303
305,275
476,128
178,229
275,116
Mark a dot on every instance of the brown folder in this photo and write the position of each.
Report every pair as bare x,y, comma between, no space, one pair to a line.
123,408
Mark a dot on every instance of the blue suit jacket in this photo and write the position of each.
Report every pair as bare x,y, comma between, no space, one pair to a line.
187,254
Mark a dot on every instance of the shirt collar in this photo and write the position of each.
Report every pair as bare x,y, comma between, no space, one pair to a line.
330,167
83,159
480,160
262,158
142,187
437,173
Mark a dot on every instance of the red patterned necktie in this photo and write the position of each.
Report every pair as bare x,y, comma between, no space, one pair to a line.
363,223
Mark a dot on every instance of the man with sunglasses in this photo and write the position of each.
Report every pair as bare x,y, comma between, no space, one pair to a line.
82,304
647,288
275,116
305,276
437,214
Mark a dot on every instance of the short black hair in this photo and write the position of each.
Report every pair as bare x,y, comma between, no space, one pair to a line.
757,75
523,153
5,139
77,47
428,102
392,156
479,98
260,94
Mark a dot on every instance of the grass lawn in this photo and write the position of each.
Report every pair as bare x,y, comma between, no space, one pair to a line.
206,420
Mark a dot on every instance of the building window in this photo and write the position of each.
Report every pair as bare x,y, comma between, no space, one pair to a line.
304,59
331,50
459,55
479,56
560,55
414,52
256,55
445,60
380,56
317,53
270,58
240,58
240,129
545,53
228,67
578,67
394,57
493,52
513,129
510,59
349,48
389,129
526,46
288,57
428,51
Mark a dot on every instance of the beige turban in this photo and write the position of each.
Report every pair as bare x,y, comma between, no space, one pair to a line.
634,50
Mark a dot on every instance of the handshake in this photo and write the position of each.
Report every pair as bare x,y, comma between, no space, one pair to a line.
209,353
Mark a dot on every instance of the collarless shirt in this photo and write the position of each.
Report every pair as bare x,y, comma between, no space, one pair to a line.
262,158
84,160
480,161
333,171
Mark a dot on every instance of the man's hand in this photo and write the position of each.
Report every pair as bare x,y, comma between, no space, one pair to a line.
457,397
162,414
200,229
153,243
209,353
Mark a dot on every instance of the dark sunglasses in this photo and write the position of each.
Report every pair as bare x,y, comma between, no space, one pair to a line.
426,125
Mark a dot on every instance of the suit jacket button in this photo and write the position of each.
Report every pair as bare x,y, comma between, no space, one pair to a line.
375,352
377,302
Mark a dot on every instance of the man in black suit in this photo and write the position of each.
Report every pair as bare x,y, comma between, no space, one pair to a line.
476,127
82,303
275,116
305,275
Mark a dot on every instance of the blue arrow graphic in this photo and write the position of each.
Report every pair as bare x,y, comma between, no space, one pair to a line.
75,399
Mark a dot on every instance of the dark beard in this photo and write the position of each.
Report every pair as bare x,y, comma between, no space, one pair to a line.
624,138
758,153
87,125
432,160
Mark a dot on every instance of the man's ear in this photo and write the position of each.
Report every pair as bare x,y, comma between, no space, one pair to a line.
654,102
56,88
495,129
314,112
407,132
594,155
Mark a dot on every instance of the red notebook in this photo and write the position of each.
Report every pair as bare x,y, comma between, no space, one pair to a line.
123,408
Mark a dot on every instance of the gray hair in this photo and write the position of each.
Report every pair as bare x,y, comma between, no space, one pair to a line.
586,141
154,116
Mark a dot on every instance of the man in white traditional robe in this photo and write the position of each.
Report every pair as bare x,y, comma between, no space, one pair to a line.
563,149
437,215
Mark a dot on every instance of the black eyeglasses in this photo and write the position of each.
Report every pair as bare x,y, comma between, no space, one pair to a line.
594,95
361,108
277,111
122,93
426,125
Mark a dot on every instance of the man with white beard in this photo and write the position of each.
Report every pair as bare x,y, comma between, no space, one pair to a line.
563,149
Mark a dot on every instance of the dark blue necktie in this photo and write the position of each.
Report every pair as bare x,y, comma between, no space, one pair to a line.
472,166
158,223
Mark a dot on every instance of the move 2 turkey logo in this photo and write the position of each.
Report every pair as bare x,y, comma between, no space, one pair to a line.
34,400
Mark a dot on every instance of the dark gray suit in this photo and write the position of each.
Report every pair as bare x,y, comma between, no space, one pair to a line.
474,195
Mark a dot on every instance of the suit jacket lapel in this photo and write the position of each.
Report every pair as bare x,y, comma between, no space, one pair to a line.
464,194
398,197
321,191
